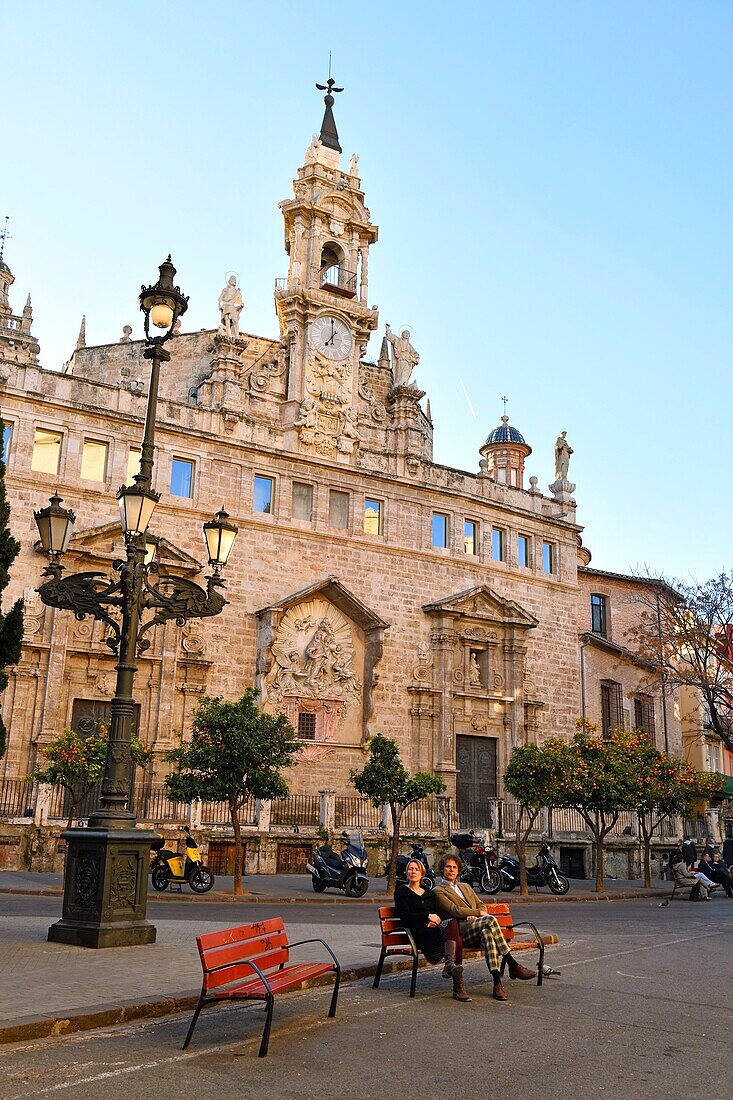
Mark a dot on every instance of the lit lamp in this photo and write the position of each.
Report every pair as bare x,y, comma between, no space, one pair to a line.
137,504
151,549
163,303
55,526
219,536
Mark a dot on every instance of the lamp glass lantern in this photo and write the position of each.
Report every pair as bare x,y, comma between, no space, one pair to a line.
137,505
219,536
162,303
55,526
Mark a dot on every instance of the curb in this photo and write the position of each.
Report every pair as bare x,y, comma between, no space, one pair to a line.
338,899
51,1027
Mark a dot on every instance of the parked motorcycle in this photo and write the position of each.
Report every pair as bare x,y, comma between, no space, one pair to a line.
345,872
169,867
544,873
419,853
479,862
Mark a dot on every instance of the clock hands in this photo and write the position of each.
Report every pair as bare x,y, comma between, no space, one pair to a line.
333,333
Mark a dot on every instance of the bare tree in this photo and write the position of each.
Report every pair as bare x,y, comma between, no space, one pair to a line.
686,632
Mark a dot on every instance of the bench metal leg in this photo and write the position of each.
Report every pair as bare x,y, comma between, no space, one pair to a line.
413,982
541,967
266,1031
380,965
194,1021
335,997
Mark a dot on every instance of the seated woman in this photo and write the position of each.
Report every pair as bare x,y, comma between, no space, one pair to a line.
477,926
436,938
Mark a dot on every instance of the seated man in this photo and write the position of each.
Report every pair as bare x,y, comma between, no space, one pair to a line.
702,884
715,869
458,900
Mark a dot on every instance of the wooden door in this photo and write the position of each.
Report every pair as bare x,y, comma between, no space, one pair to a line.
220,858
476,781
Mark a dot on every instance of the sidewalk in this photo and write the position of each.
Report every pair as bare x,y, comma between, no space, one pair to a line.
297,889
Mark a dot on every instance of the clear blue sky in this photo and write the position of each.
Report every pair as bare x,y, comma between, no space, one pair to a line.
552,182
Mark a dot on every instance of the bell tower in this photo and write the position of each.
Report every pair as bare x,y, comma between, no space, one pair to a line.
322,308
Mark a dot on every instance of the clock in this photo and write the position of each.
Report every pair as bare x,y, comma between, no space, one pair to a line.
331,337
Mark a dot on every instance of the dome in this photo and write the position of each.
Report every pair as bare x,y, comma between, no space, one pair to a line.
505,433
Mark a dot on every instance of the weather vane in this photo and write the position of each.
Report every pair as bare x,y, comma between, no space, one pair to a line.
4,236
328,87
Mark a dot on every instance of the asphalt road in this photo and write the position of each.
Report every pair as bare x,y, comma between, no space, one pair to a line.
643,1007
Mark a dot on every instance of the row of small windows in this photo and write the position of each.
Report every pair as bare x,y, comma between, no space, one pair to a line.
46,459
612,712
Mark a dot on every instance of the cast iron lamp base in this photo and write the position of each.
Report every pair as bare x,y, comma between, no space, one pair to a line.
105,889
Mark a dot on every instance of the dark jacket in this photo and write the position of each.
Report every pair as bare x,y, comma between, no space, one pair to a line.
413,910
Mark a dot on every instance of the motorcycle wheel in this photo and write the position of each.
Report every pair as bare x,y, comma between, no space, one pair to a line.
318,886
490,882
558,883
201,880
356,888
508,886
160,879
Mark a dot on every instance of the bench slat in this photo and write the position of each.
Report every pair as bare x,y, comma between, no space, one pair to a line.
245,949
214,979
279,982
240,934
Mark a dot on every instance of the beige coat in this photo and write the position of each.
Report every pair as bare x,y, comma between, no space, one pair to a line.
450,905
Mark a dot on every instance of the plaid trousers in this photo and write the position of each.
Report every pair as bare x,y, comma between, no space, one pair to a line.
485,932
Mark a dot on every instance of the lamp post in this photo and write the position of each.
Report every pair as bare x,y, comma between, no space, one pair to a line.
106,875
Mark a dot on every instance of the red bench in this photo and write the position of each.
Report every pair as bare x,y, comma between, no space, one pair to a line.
397,940
251,963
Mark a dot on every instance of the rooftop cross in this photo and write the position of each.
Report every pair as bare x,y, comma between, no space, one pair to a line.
4,236
505,399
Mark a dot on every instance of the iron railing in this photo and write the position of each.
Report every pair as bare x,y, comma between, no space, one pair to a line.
340,280
16,798
356,813
298,809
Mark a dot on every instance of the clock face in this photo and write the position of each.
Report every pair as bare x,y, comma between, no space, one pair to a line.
331,337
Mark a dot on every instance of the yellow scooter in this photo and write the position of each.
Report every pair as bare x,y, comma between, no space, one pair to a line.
169,867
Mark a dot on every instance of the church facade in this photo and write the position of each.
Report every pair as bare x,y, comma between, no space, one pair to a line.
370,588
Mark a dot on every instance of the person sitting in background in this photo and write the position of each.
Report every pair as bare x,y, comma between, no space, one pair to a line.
417,908
715,869
477,927
728,852
702,884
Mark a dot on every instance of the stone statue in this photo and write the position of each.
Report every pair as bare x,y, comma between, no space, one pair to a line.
563,451
350,429
307,414
354,164
311,153
230,307
474,672
405,358
126,334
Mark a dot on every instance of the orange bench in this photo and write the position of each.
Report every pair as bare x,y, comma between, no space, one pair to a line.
398,941
251,962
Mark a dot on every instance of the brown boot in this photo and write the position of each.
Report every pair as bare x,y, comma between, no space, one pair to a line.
450,967
459,989
521,973
499,992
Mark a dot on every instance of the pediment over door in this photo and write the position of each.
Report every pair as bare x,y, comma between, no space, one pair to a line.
484,604
106,543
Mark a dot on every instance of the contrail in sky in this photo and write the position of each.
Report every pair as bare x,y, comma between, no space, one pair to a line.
468,399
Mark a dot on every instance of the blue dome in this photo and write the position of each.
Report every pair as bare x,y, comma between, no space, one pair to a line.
505,433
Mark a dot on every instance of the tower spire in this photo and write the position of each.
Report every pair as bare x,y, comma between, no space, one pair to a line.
329,134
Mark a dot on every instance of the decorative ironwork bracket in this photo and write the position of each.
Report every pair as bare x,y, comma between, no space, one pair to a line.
84,594
178,598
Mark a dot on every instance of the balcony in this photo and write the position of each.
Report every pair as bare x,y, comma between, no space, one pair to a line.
338,280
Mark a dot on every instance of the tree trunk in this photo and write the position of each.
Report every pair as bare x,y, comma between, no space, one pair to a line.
392,873
234,813
646,840
520,839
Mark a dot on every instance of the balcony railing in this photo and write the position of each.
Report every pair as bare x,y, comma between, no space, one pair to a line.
338,280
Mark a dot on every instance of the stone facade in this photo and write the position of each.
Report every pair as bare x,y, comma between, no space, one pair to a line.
370,588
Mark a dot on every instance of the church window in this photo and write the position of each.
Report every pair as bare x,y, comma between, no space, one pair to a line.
338,510
548,557
644,714
7,439
612,717
182,477
599,615
470,537
133,463
94,460
263,495
373,517
497,544
306,726
440,530
46,451
302,500
523,550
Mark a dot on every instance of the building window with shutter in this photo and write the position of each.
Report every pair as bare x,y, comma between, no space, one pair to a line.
306,726
612,715
644,714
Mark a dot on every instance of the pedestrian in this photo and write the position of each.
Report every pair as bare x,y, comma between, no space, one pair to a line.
715,869
477,926
689,851
728,851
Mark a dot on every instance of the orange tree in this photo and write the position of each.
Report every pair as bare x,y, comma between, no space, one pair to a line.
386,782
534,778
667,787
600,781
235,752
77,763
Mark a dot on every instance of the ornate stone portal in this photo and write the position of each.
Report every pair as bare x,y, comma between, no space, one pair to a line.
316,656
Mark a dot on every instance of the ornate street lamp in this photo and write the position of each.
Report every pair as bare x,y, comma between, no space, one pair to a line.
106,875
